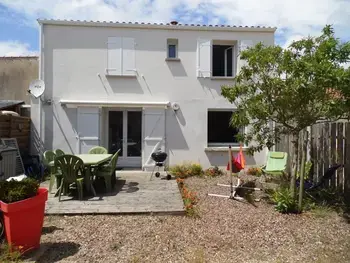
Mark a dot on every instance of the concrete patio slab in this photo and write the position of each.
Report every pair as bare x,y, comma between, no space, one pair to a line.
133,194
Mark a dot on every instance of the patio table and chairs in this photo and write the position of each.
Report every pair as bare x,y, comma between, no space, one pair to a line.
107,171
72,168
55,175
59,152
71,171
98,150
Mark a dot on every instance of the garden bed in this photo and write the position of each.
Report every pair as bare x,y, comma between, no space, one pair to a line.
226,231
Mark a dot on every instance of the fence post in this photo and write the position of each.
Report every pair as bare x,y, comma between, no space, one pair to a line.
333,180
313,152
303,142
340,156
347,164
326,152
320,150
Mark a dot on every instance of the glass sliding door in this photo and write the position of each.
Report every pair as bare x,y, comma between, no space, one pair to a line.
115,138
134,133
125,133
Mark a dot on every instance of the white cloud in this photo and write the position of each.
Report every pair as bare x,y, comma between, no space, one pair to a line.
291,39
14,49
296,18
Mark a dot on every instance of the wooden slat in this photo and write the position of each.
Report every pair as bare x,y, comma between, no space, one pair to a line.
15,133
20,125
347,164
20,118
4,125
4,118
15,118
7,125
313,153
333,150
4,133
300,147
320,151
11,123
340,155
326,141
16,121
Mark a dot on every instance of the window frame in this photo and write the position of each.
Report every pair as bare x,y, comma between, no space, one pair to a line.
222,144
233,45
172,42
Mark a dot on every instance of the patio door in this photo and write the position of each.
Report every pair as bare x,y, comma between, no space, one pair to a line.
124,133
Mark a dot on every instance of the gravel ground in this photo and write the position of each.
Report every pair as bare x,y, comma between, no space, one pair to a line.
226,231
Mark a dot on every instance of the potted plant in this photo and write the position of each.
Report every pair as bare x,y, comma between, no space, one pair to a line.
23,205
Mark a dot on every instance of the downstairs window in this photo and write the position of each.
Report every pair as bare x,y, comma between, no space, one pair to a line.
220,132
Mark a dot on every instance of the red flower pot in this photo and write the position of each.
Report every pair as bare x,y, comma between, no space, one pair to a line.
24,220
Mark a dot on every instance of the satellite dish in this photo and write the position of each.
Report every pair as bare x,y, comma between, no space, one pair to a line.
37,88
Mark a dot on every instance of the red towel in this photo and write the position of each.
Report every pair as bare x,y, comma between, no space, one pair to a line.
238,163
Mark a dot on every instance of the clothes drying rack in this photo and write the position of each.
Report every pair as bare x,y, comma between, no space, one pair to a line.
233,187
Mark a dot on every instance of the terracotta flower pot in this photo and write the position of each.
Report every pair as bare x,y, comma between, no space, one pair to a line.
24,220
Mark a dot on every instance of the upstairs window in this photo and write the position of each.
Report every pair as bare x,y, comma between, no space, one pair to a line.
172,50
216,58
220,132
222,61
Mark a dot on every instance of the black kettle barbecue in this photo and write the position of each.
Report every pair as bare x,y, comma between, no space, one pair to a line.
159,158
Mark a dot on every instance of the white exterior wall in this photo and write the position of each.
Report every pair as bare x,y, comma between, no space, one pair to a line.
74,60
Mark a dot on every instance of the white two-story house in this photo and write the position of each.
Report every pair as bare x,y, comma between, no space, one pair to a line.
140,87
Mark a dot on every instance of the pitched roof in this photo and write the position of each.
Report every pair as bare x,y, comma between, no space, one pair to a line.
9,103
156,25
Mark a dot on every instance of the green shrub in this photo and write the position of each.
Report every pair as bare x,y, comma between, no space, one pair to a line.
257,171
14,191
284,201
186,170
196,169
9,253
213,171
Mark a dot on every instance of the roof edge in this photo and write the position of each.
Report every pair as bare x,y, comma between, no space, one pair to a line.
17,57
155,25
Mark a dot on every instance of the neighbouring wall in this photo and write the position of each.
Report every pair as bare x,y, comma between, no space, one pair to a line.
16,73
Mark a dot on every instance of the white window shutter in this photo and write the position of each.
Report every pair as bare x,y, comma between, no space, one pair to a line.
114,56
204,49
128,59
88,128
154,134
243,45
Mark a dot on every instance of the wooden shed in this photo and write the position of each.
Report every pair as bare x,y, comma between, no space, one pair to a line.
16,127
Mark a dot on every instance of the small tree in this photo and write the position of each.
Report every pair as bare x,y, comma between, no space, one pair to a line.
283,91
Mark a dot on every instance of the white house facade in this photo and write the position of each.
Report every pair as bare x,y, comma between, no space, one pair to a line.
139,88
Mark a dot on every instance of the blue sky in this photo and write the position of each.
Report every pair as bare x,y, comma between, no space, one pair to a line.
294,19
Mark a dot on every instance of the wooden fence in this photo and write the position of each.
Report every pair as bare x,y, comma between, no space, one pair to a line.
16,127
329,143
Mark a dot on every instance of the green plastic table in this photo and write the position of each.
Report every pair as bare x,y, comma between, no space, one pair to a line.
91,160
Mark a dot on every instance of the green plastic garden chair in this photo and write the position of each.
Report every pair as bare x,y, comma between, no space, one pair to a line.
276,163
49,156
72,168
59,152
98,150
107,172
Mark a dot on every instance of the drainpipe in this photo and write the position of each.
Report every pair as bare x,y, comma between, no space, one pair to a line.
41,75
